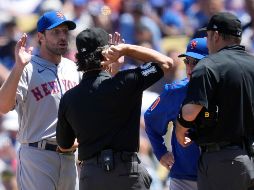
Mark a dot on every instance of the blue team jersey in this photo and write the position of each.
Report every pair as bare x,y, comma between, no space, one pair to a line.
165,109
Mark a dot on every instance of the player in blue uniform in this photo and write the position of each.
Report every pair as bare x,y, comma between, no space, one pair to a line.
182,162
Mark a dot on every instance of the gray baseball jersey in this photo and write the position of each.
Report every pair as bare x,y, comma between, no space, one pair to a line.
39,92
40,89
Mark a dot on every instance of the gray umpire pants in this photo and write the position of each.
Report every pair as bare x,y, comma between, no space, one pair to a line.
227,169
182,184
126,175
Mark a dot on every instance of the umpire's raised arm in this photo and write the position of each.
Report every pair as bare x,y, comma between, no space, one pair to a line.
137,52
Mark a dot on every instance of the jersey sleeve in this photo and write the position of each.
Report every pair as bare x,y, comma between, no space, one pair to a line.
23,86
148,74
140,78
65,135
202,84
164,109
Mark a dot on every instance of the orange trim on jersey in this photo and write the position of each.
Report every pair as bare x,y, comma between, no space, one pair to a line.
156,102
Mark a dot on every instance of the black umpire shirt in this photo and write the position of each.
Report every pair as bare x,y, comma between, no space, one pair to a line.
226,79
104,112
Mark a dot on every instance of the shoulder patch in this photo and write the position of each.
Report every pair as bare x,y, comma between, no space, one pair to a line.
145,66
148,71
156,102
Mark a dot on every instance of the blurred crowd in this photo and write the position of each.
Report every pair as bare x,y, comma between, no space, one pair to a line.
164,25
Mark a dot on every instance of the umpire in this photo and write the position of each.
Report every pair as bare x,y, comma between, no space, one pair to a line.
103,112
224,79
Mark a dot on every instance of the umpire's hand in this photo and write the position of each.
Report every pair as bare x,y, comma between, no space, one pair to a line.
182,135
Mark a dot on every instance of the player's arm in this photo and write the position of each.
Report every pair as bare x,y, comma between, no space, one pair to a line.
9,88
4,73
138,52
156,139
156,120
165,157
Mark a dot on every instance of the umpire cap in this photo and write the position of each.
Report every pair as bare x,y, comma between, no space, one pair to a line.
225,22
90,39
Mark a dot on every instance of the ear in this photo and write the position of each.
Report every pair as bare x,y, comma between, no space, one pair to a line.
217,36
40,37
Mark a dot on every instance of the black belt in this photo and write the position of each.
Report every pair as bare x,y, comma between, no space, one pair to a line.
214,147
122,156
47,146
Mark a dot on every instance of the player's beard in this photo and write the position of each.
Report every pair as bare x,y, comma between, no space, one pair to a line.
56,49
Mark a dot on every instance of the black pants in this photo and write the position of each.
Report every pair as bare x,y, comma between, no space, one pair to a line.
126,175
227,169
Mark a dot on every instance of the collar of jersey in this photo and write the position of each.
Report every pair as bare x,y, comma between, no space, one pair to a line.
177,84
44,62
234,47
95,73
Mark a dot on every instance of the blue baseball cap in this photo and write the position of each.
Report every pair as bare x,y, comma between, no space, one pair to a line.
53,19
197,48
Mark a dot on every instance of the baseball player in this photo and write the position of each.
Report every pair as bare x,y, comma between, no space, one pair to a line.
182,162
35,87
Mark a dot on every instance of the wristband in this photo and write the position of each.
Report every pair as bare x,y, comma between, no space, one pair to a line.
183,122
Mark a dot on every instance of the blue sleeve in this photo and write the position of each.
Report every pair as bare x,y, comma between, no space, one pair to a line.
164,109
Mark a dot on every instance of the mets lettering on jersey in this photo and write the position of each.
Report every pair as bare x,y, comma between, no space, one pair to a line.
51,87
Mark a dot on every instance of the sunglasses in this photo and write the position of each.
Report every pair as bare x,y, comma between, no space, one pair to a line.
192,62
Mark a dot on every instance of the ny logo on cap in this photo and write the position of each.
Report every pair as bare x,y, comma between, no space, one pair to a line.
60,15
193,44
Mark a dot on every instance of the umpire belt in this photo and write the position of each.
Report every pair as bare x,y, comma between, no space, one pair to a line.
122,156
44,145
215,147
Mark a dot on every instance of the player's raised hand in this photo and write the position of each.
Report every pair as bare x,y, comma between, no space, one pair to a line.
112,54
22,55
115,39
